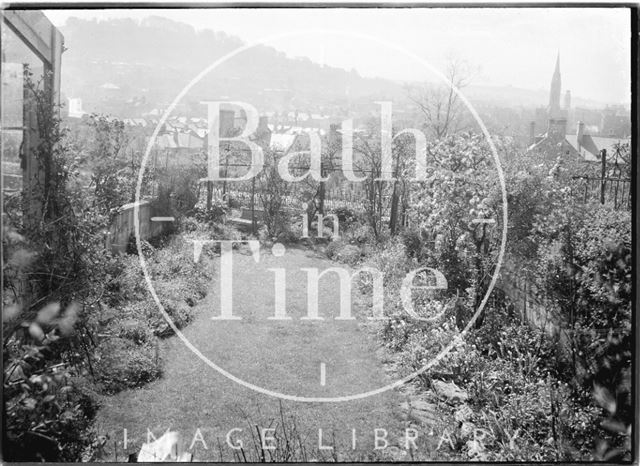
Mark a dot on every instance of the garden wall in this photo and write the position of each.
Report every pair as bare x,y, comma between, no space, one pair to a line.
528,298
123,226
533,305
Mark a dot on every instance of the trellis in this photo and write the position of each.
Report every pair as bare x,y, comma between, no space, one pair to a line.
37,33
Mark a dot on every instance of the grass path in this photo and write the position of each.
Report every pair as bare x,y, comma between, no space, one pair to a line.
283,356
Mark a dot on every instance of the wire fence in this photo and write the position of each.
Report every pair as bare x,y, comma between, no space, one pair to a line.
338,193
333,198
615,192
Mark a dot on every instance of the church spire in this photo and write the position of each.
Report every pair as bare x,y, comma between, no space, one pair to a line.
554,93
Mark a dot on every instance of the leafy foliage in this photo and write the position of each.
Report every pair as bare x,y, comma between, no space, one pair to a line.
451,209
540,395
54,258
272,193
46,411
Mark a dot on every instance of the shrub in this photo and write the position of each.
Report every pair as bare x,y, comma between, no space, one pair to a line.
586,270
213,216
349,254
120,363
47,407
396,331
287,236
294,232
67,406
341,251
189,224
392,260
129,284
47,392
135,330
359,234
176,275
535,419
181,289
346,217
234,203
225,232
333,247
420,343
412,240
147,246
529,349
180,313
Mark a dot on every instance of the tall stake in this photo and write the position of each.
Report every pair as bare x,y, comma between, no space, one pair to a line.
253,205
321,192
603,155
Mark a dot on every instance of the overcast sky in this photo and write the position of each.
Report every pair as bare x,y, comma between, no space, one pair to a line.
515,47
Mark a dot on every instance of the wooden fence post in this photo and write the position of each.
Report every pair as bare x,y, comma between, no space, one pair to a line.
209,194
603,156
321,190
253,205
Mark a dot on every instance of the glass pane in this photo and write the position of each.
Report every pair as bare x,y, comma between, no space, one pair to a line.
16,51
12,95
11,170
16,56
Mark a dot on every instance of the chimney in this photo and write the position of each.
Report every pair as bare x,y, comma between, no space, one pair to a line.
334,133
263,123
532,133
580,134
263,133
226,122
557,127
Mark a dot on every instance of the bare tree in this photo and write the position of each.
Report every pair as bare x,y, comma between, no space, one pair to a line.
273,192
440,104
368,162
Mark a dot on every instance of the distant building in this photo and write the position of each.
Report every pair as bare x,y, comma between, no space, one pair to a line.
553,109
567,101
555,142
589,147
615,122
110,87
75,108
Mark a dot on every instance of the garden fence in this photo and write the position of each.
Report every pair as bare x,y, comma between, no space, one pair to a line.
615,192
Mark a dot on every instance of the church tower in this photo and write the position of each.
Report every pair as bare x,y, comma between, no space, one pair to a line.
554,94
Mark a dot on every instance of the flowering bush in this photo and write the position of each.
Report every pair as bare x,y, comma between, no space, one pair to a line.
562,393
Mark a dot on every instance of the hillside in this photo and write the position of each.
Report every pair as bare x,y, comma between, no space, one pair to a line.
149,63
126,68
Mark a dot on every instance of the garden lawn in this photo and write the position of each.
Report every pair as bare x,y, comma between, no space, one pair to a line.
283,356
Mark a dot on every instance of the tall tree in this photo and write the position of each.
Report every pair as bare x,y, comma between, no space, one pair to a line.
440,105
